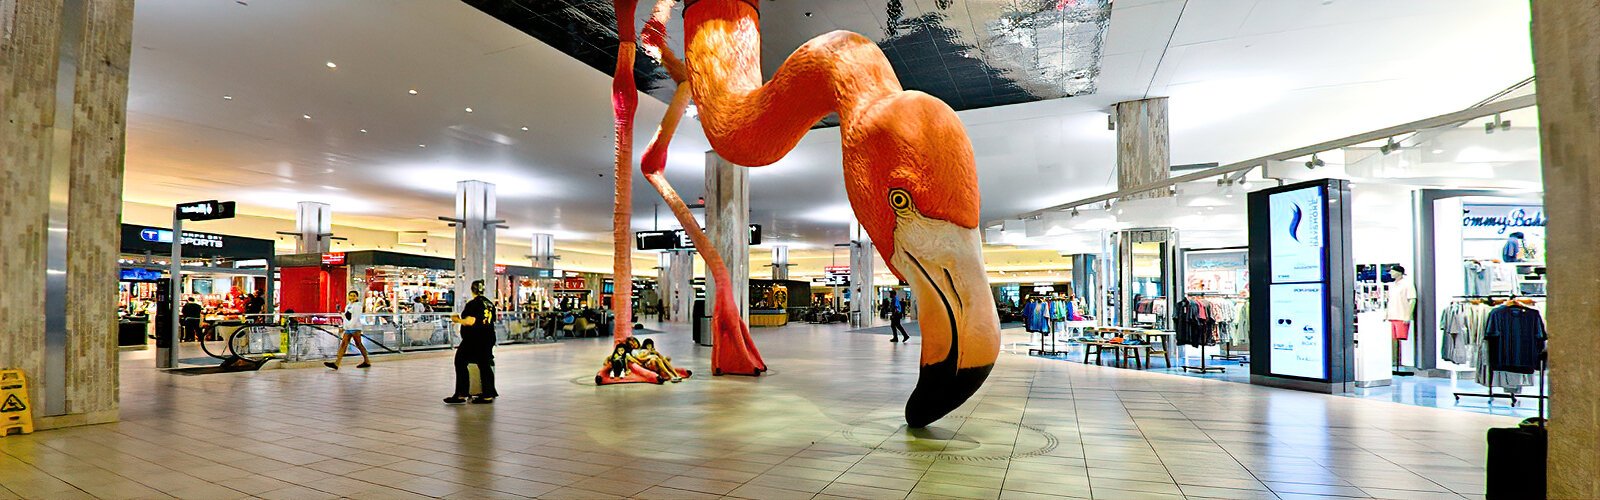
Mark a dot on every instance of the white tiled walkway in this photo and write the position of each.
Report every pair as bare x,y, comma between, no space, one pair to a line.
825,423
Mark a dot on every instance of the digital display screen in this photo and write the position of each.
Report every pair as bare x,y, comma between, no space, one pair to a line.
1298,323
1297,235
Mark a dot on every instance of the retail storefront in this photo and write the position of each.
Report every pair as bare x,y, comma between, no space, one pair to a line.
1454,201
219,273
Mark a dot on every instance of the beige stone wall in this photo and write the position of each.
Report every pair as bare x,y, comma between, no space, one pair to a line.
28,66
1567,64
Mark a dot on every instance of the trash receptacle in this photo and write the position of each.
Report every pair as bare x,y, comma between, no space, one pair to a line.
702,323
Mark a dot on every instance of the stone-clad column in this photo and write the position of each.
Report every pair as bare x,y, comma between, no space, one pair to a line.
1565,46
728,226
71,355
1144,153
100,111
28,64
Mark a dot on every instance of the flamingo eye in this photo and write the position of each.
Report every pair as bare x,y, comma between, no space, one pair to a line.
900,200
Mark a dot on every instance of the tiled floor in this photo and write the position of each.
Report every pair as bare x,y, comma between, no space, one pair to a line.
1413,390
824,424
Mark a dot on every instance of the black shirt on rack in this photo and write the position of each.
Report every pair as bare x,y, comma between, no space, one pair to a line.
1516,338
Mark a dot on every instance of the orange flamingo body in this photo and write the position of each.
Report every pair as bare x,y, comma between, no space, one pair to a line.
909,173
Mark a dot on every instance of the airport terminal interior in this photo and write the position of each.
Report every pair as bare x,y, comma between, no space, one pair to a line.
808,249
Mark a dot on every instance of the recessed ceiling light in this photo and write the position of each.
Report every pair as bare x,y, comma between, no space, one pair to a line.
331,65
524,129
422,145
469,110
227,98
308,117
363,131
412,91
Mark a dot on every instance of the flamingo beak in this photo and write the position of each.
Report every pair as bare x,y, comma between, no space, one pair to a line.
943,263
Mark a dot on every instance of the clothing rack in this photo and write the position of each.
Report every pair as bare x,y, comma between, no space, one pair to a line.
1047,339
1203,368
1544,362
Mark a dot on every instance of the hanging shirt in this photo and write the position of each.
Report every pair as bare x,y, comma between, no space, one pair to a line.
1402,300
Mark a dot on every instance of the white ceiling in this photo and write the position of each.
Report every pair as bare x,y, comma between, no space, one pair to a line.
1245,77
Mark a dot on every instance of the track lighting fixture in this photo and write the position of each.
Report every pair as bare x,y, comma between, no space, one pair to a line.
1314,162
1489,128
1389,147
1074,211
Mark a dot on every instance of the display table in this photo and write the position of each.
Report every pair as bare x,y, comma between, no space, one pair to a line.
133,333
769,317
1156,342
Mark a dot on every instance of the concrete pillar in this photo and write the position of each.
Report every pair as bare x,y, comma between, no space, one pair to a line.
780,262
61,177
1144,154
728,226
313,222
1569,119
863,299
544,250
475,239
676,274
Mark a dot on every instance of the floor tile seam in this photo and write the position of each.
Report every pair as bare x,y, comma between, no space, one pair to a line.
1225,451
96,467
1403,467
42,471
1023,417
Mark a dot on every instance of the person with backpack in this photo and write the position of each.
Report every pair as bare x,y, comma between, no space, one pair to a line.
477,348
897,313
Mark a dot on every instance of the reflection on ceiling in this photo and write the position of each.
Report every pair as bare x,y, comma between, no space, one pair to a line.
970,53
583,29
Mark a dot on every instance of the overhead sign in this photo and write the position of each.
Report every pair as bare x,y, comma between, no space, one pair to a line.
155,240
206,210
678,239
141,274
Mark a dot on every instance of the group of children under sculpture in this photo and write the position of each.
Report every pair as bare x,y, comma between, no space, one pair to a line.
632,361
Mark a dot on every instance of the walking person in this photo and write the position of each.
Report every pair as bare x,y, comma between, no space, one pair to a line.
353,316
897,313
477,348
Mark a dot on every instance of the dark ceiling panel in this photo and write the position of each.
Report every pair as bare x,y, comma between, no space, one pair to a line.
970,53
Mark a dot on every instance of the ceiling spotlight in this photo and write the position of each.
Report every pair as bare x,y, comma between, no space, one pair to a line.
1314,162
1111,122
1488,128
1074,211
469,110
227,98
331,65
422,145
308,117
412,91
363,131
808,14
524,129
1389,147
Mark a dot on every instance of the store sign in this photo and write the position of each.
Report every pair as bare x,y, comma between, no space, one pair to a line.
1298,321
1499,221
678,239
499,269
141,274
1298,230
333,259
206,210
201,240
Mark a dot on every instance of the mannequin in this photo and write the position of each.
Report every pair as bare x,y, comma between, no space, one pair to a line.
1401,306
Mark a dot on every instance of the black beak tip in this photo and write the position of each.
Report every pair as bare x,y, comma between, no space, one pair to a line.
939,392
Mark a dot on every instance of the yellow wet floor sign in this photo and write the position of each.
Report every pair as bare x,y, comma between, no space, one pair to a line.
14,414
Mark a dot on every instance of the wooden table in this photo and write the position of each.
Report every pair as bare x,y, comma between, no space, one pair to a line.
1143,351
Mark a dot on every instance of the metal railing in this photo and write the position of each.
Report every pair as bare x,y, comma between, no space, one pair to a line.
308,337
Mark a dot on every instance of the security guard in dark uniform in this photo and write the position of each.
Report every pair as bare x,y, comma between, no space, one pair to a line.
477,347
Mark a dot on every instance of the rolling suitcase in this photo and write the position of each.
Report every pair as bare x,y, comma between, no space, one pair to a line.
1516,465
